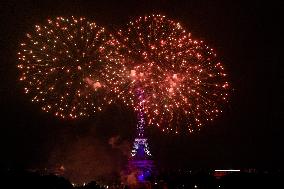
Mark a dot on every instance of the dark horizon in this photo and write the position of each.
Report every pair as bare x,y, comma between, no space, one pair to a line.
247,135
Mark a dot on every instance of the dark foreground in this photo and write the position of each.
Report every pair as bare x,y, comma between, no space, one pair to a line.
21,179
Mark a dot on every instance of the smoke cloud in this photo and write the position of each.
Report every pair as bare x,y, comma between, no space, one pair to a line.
89,157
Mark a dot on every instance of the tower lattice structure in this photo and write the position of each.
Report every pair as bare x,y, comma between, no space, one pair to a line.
141,162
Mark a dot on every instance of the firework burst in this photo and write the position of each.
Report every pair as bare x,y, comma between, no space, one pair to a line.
68,66
183,81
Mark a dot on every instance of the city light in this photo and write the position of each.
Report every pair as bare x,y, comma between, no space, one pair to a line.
227,170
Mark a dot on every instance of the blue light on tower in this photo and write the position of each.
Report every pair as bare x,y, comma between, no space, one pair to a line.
140,161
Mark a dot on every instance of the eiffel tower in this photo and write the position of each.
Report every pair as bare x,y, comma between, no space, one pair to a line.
140,161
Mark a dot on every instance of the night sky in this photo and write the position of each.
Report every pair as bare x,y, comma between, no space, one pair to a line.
248,135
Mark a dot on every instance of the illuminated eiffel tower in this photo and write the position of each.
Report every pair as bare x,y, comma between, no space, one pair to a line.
141,162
